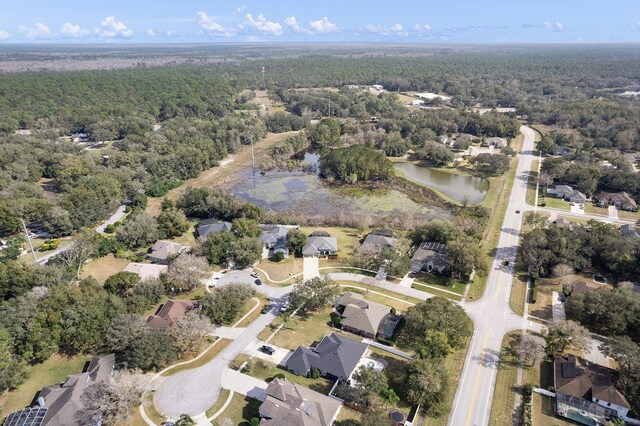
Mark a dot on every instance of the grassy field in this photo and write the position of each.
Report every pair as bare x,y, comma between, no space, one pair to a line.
399,306
240,411
302,330
543,412
556,203
500,200
589,208
282,270
52,371
435,292
390,293
518,293
208,356
623,214
255,314
222,398
103,268
266,371
531,184
348,242
348,414
439,281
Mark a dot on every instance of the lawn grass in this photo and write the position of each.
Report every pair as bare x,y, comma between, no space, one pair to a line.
102,268
543,412
207,357
240,411
532,182
505,393
282,270
188,238
53,370
492,233
255,314
222,398
348,242
623,214
518,294
266,371
150,408
590,208
303,330
441,282
556,203
347,414
399,306
435,292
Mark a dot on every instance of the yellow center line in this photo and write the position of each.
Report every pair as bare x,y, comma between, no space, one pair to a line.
475,387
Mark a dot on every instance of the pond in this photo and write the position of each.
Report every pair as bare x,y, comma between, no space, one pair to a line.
457,187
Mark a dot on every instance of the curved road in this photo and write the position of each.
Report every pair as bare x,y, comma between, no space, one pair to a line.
492,317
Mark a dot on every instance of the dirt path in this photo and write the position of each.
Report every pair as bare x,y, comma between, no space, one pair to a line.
227,167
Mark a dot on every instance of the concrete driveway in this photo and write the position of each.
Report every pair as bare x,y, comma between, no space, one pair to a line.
575,209
310,267
244,384
279,357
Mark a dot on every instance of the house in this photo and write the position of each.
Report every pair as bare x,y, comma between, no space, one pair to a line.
577,197
274,239
62,404
376,241
363,317
632,158
585,392
79,137
291,404
562,150
146,271
497,142
335,357
417,103
445,140
212,226
621,200
163,251
430,96
378,87
564,223
563,191
566,192
172,311
629,231
430,257
320,246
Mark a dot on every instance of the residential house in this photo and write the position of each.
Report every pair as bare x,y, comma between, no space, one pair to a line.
172,311
564,223
377,241
567,193
274,239
291,404
578,197
212,226
632,158
562,150
146,271
320,246
63,404
563,191
621,200
497,142
365,318
430,257
335,357
445,140
378,87
417,102
163,251
629,231
585,392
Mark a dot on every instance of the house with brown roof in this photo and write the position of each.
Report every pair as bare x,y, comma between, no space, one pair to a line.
163,251
621,200
585,392
172,311
146,271
377,241
291,404
365,318
63,404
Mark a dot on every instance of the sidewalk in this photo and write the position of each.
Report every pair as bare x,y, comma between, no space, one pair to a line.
243,384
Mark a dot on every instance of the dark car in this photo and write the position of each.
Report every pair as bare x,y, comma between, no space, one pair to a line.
258,281
518,211
267,349
506,263
266,309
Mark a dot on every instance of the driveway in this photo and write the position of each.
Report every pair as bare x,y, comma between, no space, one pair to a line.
406,281
244,384
279,357
557,307
310,267
575,209
613,212
118,215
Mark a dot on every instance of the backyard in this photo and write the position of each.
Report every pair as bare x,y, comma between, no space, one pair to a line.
103,267
267,371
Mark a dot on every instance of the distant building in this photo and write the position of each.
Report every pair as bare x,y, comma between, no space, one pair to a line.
497,142
431,257
172,311
375,243
564,223
378,87
567,193
146,270
291,404
163,251
562,150
629,231
318,246
62,404
212,226
430,96
445,140
274,239
621,200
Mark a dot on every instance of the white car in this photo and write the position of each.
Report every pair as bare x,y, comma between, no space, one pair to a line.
255,275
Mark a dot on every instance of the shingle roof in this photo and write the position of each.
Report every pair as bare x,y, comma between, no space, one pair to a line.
145,270
170,312
335,354
212,226
376,243
165,249
290,404
361,314
315,245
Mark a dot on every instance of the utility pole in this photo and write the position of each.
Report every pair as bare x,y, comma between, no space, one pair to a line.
264,82
253,162
26,234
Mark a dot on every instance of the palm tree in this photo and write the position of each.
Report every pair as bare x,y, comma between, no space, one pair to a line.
389,397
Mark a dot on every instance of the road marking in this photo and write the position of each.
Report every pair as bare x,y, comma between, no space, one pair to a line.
475,387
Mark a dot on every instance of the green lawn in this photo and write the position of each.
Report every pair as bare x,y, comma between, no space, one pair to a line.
53,370
531,184
543,412
266,371
441,282
211,354
282,270
623,214
103,268
589,208
435,292
255,314
222,398
518,293
240,411
399,305
555,203
303,330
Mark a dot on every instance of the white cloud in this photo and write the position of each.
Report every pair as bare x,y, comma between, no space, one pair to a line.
239,10
263,26
211,27
170,33
547,25
557,26
323,26
70,30
292,22
151,32
395,29
112,29
422,28
4,35
560,26
40,30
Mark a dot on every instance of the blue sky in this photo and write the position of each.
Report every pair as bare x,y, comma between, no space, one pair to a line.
452,21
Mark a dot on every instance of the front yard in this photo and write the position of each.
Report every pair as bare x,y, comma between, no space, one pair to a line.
590,208
266,371
240,411
103,268
280,271
301,330
348,242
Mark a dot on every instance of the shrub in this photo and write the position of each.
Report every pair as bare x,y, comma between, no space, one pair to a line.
278,257
314,373
110,229
279,376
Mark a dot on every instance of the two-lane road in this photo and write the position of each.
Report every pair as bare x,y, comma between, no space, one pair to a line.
492,317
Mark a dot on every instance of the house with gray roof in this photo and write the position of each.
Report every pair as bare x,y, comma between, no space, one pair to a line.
375,243
430,257
320,247
629,231
146,271
335,357
566,192
291,404
163,251
497,142
274,239
363,317
563,191
212,226
63,404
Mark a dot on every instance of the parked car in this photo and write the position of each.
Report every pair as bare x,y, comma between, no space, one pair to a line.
518,211
258,282
284,307
506,263
266,309
267,349
255,275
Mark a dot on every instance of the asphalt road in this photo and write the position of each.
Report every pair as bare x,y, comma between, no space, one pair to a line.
492,317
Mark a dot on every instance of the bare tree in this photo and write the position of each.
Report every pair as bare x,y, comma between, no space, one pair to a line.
532,347
187,271
562,270
567,334
81,249
191,331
